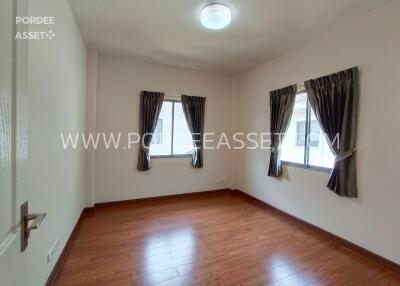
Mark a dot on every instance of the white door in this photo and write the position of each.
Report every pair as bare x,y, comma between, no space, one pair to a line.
13,143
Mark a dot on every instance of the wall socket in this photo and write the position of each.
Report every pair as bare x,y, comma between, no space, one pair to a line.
53,250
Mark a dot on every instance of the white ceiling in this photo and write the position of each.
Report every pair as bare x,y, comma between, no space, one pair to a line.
169,31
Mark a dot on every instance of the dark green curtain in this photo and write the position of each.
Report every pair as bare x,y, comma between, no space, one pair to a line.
150,108
194,108
281,109
334,99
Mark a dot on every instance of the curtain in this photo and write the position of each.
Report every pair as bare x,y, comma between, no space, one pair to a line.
193,108
334,99
281,105
150,107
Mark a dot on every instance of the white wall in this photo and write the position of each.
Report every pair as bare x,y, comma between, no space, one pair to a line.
57,104
91,93
119,83
371,42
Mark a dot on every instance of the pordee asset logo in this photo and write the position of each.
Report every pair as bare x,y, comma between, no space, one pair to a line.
35,35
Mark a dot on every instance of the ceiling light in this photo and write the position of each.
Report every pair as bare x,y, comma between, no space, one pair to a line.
216,16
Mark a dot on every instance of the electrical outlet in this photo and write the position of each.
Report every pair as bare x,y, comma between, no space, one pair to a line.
53,250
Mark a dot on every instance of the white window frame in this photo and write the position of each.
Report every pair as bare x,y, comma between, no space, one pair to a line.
172,155
305,164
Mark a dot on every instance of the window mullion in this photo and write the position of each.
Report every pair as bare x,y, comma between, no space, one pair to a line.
307,131
172,129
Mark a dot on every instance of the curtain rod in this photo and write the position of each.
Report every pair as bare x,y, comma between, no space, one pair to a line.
172,96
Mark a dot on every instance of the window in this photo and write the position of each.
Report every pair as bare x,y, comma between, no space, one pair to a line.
314,133
158,133
171,137
300,131
305,143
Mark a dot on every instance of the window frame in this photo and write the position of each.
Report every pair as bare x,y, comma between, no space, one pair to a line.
171,155
305,164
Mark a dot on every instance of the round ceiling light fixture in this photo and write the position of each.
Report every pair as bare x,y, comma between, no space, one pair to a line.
216,16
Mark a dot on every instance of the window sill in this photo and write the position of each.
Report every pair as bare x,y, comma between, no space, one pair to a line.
310,167
170,156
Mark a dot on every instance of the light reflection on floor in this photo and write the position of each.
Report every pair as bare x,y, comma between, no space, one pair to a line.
165,250
288,272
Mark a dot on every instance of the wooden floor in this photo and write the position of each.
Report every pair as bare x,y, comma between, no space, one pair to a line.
210,239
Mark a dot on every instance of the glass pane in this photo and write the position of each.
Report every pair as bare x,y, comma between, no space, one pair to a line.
292,149
158,132
320,154
315,133
300,131
161,141
183,143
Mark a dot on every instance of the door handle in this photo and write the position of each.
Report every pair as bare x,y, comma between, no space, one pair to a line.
25,228
37,220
